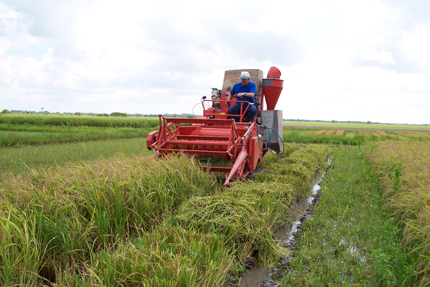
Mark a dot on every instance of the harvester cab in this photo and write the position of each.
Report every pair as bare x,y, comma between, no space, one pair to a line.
215,134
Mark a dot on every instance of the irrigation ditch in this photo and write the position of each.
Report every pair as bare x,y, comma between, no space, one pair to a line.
287,236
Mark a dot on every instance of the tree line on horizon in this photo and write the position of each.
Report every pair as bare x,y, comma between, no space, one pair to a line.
113,114
183,115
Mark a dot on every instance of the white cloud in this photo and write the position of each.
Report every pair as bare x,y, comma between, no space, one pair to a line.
380,56
338,59
417,45
13,30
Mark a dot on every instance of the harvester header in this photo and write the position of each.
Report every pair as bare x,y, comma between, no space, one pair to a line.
217,135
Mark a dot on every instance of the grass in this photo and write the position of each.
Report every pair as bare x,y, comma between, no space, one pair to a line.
168,256
322,137
78,121
129,220
15,160
337,137
356,125
348,241
56,135
54,220
125,220
19,130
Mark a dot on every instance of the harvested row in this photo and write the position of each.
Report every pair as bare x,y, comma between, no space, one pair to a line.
339,133
405,172
320,132
247,214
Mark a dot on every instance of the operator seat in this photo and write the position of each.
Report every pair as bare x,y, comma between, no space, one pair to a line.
232,77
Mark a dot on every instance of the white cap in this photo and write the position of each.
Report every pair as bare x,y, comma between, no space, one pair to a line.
244,75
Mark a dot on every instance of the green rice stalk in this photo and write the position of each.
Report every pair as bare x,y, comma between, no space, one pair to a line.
21,254
168,256
90,207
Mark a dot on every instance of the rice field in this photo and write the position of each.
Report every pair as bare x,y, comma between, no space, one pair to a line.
345,125
72,224
76,121
21,130
404,168
350,137
104,213
350,239
17,159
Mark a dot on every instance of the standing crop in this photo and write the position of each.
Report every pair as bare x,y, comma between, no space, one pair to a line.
405,171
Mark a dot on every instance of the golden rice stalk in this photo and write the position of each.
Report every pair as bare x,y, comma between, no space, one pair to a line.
320,132
340,133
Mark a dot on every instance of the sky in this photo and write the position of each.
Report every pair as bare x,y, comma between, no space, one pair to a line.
340,60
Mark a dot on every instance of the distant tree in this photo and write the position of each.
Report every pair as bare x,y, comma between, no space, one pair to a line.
368,122
5,111
333,121
118,114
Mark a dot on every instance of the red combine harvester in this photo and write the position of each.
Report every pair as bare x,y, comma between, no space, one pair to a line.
215,134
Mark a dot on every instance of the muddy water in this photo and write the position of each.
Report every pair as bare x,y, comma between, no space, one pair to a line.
287,236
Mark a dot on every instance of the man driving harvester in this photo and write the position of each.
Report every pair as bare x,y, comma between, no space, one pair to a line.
245,92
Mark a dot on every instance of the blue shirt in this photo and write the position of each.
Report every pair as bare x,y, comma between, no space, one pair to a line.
250,88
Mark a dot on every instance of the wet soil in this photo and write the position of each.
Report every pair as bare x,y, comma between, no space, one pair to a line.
287,235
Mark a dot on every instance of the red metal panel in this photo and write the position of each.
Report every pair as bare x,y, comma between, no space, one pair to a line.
212,131
199,121
151,139
208,143
216,168
196,152
274,73
200,137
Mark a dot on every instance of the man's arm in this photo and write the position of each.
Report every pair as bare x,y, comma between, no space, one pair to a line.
252,92
231,95
249,95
